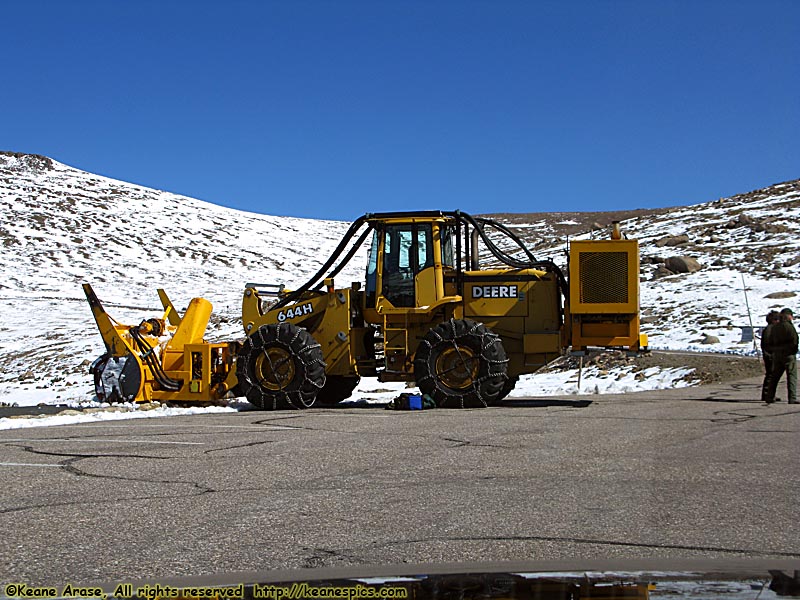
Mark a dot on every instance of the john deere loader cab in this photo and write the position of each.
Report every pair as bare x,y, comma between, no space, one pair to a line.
406,254
426,313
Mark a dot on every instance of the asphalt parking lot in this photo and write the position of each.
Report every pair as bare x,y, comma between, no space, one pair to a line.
692,474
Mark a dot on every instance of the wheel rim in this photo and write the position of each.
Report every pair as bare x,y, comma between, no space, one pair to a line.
457,367
274,368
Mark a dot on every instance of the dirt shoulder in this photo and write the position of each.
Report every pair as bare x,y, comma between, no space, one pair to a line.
707,367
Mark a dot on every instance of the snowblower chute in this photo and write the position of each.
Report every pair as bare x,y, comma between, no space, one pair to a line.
164,359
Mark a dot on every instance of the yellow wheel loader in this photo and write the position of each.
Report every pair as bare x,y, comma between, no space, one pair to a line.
426,312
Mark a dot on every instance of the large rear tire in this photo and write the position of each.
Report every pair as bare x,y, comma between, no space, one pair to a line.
461,364
280,366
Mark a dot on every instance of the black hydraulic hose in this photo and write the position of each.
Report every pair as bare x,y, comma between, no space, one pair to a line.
501,256
505,258
350,254
510,234
312,283
478,223
149,357
164,380
549,265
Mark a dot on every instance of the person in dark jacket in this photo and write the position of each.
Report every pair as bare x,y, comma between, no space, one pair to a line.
783,341
766,352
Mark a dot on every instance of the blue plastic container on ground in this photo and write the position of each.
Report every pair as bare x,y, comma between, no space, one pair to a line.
415,402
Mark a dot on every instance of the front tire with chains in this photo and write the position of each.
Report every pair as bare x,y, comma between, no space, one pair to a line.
280,366
461,364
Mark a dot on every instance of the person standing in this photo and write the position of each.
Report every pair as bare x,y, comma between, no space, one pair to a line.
766,352
783,341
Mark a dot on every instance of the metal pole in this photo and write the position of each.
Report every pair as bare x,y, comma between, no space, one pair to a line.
749,316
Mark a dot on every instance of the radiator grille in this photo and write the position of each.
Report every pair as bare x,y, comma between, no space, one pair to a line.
603,277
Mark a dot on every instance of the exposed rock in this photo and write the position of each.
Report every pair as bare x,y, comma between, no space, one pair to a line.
19,160
781,295
770,228
27,375
776,228
682,264
662,271
70,412
672,240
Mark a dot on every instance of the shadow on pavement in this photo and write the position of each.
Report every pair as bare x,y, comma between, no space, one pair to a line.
544,402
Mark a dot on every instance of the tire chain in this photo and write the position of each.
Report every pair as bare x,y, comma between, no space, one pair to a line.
487,340
283,398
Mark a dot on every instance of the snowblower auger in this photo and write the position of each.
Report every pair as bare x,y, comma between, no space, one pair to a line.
163,359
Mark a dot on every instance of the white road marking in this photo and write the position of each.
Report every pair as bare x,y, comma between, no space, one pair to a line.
112,441
5,464
248,427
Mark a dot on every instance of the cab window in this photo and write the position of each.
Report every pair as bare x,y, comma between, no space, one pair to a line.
447,234
407,249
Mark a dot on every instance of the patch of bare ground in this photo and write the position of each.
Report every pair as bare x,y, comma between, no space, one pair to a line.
706,367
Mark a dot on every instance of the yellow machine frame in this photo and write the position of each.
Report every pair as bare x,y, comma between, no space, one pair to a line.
427,312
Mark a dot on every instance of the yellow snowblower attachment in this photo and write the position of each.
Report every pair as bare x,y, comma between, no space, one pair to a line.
164,359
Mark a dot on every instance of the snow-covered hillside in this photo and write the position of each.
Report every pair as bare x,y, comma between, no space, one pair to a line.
60,227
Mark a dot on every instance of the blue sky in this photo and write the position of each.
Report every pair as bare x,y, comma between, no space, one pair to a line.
330,109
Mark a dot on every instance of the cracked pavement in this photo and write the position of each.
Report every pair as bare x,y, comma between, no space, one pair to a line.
694,473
